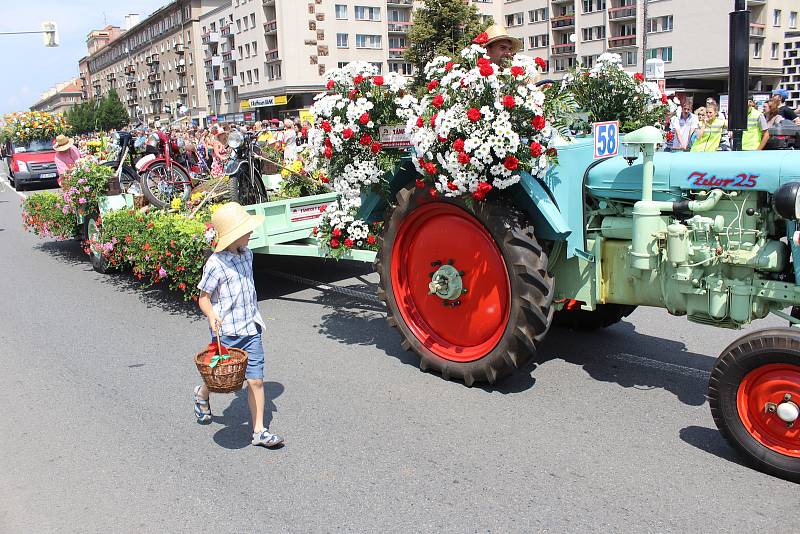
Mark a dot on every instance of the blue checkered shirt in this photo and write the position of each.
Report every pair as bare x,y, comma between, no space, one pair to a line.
228,278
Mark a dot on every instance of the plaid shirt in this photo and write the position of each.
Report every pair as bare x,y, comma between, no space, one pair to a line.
228,278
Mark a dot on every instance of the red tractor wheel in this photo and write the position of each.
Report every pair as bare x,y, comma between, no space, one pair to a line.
467,288
754,393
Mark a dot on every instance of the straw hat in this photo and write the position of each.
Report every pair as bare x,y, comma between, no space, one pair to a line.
495,33
62,143
231,221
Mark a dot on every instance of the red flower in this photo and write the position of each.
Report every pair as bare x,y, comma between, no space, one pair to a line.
315,230
516,70
375,148
449,66
324,179
328,152
474,114
420,122
328,143
150,225
463,158
481,191
451,186
347,133
552,152
329,85
542,64
482,61
358,79
432,192
538,122
128,239
430,168
146,246
364,118
509,102
334,243
670,136
371,239
348,243
377,80
663,99
433,119
511,163
365,140
536,149
486,70
437,101
639,77
481,38
433,84
420,184
352,94
458,145
182,286
326,126
336,232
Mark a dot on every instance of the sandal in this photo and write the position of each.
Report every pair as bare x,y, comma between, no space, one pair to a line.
202,408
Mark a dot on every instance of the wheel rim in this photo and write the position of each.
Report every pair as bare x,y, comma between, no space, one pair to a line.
765,385
163,183
465,328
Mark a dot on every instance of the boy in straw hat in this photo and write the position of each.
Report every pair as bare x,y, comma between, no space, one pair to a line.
228,299
499,45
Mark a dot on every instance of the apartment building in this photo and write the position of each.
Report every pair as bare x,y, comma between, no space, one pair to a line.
60,98
791,67
690,36
152,64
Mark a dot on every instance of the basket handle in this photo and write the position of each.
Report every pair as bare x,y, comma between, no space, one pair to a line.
219,344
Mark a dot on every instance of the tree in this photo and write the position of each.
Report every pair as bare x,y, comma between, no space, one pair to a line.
111,112
81,117
442,28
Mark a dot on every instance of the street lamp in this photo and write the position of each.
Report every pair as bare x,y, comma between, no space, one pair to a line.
49,33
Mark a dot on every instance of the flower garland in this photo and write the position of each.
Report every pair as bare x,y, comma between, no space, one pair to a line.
23,127
479,124
345,146
82,183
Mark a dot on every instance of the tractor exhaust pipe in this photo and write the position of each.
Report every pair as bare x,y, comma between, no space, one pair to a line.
738,77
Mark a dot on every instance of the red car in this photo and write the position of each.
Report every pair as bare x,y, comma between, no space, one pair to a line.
31,162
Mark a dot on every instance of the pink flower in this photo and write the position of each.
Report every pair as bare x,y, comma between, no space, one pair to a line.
162,273
81,200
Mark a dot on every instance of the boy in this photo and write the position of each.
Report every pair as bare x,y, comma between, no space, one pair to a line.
228,299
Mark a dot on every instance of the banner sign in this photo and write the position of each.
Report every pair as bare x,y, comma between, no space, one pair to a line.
394,136
264,102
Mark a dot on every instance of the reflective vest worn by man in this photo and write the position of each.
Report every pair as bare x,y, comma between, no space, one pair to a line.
756,131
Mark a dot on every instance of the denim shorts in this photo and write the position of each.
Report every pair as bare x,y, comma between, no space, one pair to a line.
255,352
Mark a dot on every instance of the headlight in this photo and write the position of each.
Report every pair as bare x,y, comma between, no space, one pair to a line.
787,201
235,139
153,139
22,167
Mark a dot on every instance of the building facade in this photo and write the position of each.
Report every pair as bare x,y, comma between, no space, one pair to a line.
60,98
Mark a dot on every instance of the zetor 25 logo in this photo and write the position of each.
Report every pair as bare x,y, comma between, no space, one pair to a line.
702,179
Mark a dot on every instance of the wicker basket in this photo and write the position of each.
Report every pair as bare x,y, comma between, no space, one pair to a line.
225,377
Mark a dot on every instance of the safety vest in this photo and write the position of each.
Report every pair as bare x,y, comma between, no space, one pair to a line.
751,137
712,135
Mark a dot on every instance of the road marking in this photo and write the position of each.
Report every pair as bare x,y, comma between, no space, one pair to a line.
321,286
8,185
673,368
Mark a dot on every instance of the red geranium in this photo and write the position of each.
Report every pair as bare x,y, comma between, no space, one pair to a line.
474,114
365,140
430,167
377,80
516,70
437,101
481,39
509,102
463,158
347,133
336,232
538,122
486,70
458,145
352,94
481,191
328,152
326,126
375,148
334,243
542,64
315,230
371,239
663,99
364,118
536,149
639,77
511,163
348,243
433,84
324,179
358,79
432,192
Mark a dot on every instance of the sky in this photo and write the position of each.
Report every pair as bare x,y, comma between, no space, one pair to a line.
28,68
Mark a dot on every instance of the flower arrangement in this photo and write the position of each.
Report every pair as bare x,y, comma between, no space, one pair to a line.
43,214
301,179
23,127
607,92
479,124
81,185
346,145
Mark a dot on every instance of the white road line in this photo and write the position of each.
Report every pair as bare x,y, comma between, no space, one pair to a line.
661,366
8,185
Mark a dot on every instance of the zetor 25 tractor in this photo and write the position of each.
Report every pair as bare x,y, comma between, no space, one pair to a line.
473,289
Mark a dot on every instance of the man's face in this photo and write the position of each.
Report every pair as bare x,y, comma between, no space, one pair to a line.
500,51
776,99
687,108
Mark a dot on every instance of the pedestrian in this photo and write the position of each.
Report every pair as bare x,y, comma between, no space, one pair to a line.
221,153
66,155
229,301
756,135
682,127
289,141
780,96
709,133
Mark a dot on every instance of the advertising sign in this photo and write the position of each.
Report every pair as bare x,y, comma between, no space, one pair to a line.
265,101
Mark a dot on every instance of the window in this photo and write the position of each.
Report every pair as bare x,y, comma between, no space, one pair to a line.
368,13
398,42
341,40
589,61
247,50
342,64
378,66
252,20
664,53
249,76
368,41
629,58
774,50
590,6
538,15
341,12
396,15
593,33
659,24
756,49
515,19
538,41
776,17
562,64
406,69
255,48
255,75
793,19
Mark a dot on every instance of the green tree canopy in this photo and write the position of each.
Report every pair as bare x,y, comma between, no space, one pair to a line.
111,112
442,28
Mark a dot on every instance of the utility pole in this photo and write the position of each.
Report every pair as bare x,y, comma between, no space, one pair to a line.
49,33
739,66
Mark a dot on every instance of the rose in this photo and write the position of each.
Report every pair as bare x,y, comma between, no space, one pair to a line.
511,163
364,118
481,39
540,63
509,102
474,114
458,145
347,133
437,101
639,77
538,122
517,71
377,80
375,148
536,149
365,140
432,85
348,243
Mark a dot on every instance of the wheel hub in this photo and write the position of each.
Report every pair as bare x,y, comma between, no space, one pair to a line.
446,282
787,411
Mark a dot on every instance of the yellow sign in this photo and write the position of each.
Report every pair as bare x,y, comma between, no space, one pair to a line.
305,115
263,102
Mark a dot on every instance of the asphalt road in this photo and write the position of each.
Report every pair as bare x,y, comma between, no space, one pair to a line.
611,432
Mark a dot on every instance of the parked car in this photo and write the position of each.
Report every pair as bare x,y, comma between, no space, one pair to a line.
31,162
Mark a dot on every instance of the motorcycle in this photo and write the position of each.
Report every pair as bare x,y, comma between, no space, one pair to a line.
162,177
125,164
245,185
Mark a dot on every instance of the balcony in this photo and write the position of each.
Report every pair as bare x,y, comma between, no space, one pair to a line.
154,77
563,22
557,2
230,55
130,86
399,27
269,3
213,61
180,69
215,84
271,27
621,41
622,13
183,90
130,69
399,3
756,3
225,31
110,76
231,80
153,59
271,55
396,53
155,97
179,49
210,37
563,49
757,30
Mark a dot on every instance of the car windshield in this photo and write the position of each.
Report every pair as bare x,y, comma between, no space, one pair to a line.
39,145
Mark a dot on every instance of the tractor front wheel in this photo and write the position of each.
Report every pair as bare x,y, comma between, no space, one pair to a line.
466,286
754,394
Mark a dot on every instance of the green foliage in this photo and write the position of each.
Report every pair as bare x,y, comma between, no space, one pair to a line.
82,117
45,214
111,112
560,108
83,183
441,28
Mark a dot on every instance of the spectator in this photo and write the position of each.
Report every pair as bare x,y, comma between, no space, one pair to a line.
710,131
682,127
780,96
289,140
700,113
756,135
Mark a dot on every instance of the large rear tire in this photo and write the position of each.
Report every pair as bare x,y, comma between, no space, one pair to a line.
160,185
481,334
244,190
754,385
603,316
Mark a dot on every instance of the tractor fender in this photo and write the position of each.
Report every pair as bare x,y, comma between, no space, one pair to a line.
535,199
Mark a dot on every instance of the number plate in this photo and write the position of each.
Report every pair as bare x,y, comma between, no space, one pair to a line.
310,212
48,175
606,139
